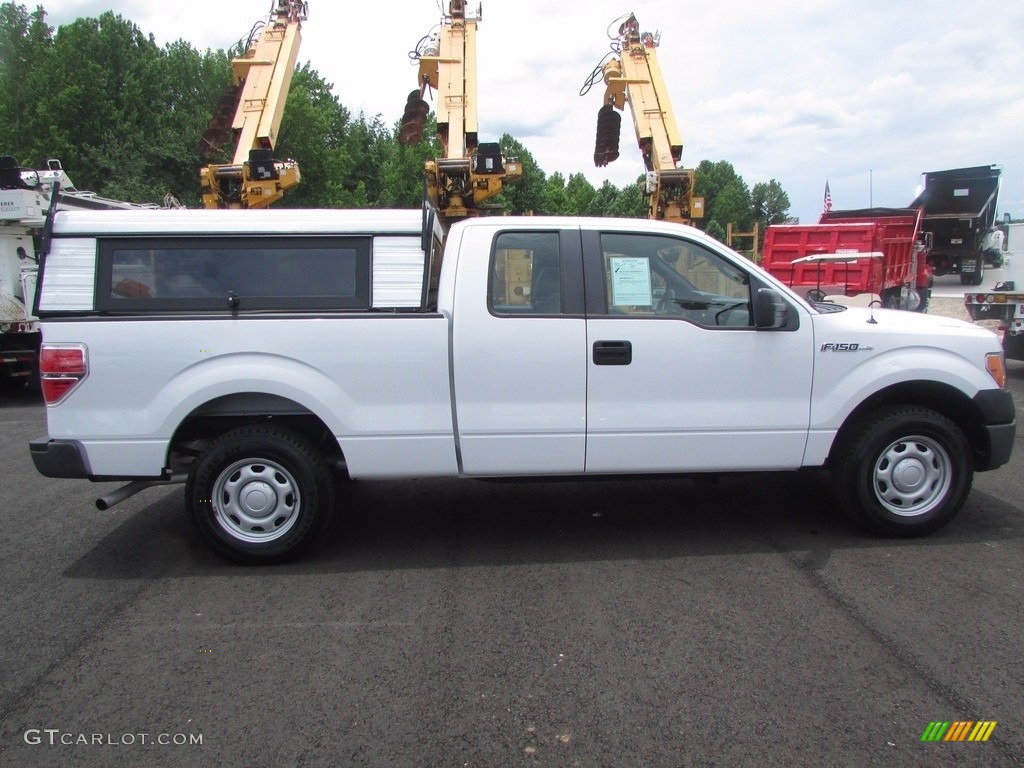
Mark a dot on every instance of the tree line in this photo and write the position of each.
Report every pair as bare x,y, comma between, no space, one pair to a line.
124,116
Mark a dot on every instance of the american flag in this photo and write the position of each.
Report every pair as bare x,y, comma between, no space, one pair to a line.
828,198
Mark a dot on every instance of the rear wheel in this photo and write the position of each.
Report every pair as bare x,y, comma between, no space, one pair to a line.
973,278
903,471
260,494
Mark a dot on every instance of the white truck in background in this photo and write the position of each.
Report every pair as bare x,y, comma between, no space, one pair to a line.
25,198
261,356
1005,302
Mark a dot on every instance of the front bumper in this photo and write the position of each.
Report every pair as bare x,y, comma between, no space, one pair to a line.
1000,423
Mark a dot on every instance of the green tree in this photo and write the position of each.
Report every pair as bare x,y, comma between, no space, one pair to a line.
25,44
526,194
402,167
733,206
604,199
715,230
711,178
580,196
630,202
189,86
555,201
105,81
771,205
316,132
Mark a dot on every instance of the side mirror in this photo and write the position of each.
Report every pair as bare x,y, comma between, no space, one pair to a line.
771,312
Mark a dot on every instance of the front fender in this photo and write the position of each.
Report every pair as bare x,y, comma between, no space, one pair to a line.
840,390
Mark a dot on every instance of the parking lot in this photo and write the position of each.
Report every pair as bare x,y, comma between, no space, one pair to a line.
668,622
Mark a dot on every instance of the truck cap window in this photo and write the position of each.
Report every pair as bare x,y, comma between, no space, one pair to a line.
256,273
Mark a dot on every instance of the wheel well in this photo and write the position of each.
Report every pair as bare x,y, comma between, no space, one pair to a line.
942,398
212,419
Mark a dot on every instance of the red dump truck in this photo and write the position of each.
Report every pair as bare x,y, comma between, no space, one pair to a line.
875,254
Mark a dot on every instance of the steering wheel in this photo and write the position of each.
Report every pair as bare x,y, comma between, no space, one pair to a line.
730,308
667,304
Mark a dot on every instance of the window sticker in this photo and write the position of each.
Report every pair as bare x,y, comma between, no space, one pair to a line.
631,281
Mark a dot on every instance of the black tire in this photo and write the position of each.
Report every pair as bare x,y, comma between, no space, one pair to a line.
10,383
1013,346
922,305
903,471
288,494
973,278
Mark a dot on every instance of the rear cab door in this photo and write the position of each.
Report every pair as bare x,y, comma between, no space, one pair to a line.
519,350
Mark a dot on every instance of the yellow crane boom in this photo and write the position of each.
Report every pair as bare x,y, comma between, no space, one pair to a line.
634,76
469,172
249,116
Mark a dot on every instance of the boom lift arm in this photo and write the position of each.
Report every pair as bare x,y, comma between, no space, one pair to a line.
254,104
469,173
633,74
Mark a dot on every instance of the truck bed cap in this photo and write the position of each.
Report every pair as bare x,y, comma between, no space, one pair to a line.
255,222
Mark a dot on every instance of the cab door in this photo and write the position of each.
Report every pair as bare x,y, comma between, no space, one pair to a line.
679,379
519,352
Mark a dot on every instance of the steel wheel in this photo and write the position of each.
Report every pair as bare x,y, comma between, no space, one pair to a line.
260,494
902,470
256,500
912,476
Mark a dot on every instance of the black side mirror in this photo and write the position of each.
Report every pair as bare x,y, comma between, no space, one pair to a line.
771,312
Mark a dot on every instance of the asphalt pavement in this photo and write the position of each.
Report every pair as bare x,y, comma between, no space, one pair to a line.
738,622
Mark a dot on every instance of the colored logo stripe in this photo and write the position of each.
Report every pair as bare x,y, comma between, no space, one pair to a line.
982,730
958,730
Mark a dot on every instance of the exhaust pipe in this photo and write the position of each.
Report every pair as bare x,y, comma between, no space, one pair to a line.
118,495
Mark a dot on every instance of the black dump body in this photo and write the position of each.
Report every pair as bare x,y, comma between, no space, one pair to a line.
865,214
959,208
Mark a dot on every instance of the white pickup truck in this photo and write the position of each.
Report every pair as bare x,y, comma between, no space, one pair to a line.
262,356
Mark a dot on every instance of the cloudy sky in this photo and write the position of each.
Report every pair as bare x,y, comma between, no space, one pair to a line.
867,94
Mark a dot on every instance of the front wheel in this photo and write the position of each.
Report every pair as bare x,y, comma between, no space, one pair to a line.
903,471
260,494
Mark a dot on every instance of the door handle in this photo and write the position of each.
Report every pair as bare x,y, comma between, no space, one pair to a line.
613,353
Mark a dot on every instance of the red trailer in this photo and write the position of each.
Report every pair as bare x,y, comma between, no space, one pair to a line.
877,253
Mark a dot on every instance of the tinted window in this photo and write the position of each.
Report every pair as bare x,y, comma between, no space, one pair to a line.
526,274
652,275
269,273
